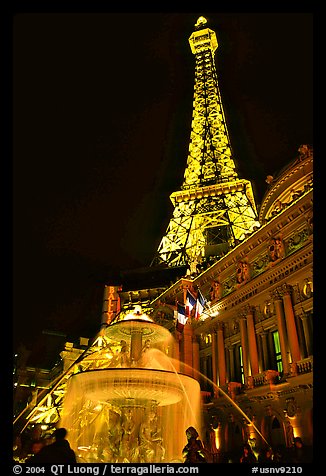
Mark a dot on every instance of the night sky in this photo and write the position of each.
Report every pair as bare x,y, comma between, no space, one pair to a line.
102,106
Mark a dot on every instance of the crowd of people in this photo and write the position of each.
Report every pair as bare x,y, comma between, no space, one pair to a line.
58,451
197,452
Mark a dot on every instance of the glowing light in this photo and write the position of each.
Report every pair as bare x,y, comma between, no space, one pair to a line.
201,22
214,313
217,438
137,314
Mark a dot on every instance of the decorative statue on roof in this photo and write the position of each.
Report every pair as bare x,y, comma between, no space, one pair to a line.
277,207
276,250
243,272
304,151
216,290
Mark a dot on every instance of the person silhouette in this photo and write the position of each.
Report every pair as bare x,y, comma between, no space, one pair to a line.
57,452
193,452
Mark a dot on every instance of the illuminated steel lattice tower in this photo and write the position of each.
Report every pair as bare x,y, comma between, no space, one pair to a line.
214,209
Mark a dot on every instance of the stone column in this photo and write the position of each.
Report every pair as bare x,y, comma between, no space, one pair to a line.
253,353
231,365
260,353
301,336
214,357
221,355
281,327
195,358
290,324
265,350
306,332
244,345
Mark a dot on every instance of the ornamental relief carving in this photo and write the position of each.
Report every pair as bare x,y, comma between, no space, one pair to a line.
302,291
260,315
245,271
268,309
308,288
216,290
229,286
297,240
280,291
276,294
291,407
310,222
276,250
242,272
260,264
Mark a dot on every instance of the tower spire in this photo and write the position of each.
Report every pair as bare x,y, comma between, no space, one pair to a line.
214,210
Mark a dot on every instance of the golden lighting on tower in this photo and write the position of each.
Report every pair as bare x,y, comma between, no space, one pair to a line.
214,210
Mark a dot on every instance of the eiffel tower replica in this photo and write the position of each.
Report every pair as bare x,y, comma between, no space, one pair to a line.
214,210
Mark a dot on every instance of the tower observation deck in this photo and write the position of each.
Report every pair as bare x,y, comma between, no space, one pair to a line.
214,209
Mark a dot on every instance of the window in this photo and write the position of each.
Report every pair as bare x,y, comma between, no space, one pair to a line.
277,351
241,364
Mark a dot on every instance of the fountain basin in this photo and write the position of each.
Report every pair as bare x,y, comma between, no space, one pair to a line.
133,407
163,387
147,328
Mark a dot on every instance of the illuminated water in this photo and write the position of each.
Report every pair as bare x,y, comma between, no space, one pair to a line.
131,405
234,404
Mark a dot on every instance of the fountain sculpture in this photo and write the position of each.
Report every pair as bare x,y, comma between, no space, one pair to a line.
131,405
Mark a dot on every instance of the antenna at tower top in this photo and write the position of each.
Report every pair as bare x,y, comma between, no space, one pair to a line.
201,22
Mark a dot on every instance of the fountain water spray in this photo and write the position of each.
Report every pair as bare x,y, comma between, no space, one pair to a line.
219,389
131,406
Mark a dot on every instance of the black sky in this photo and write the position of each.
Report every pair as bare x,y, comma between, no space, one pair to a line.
102,109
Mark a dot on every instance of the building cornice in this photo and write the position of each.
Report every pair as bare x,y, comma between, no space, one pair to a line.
292,219
286,271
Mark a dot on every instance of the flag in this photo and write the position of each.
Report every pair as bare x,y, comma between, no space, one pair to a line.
190,302
201,301
181,317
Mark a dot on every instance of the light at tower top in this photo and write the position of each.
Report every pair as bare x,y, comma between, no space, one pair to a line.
200,22
203,38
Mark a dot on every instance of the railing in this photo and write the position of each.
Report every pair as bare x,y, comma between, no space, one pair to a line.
304,366
267,377
271,376
258,380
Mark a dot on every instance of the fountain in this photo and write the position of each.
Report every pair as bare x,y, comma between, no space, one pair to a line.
131,405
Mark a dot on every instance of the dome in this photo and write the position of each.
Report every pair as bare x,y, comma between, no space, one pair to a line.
292,182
